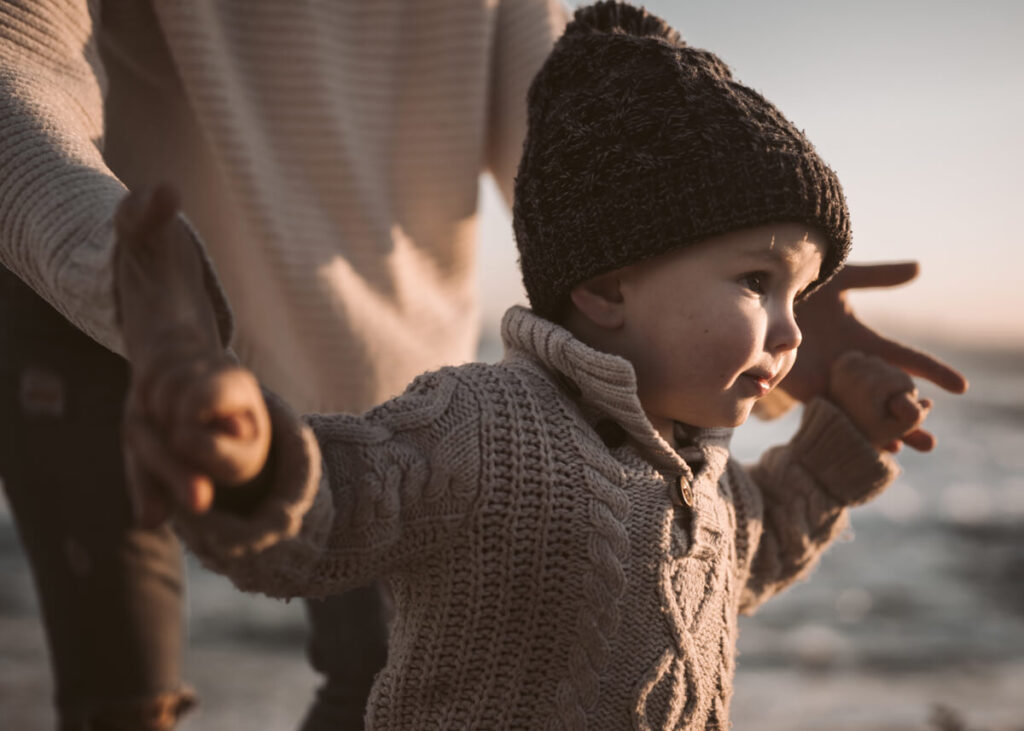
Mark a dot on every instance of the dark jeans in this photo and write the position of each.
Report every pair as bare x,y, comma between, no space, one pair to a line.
111,594
348,646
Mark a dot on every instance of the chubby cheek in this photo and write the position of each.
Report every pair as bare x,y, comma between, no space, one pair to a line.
735,345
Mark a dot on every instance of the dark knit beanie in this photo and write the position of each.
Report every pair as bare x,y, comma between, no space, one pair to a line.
638,144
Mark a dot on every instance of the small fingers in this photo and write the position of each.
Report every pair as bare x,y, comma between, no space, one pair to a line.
908,409
855,370
905,408
911,412
920,440
223,427
227,460
159,472
882,400
894,446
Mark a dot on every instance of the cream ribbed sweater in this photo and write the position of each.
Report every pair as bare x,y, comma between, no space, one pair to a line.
543,579
328,152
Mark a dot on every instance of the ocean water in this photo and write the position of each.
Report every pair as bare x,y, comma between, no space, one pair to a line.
919,615
914,621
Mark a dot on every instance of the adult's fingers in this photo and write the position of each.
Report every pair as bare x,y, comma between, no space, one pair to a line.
919,363
183,486
144,211
168,391
150,504
861,276
145,222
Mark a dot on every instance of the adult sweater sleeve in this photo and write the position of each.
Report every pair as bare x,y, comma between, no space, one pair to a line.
57,196
525,32
354,498
794,501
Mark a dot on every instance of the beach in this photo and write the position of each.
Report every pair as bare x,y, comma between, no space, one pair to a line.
916,622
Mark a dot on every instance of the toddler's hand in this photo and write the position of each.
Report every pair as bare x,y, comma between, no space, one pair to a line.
193,425
192,416
881,400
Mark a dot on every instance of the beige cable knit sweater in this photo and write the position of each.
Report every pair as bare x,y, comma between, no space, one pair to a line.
328,152
543,579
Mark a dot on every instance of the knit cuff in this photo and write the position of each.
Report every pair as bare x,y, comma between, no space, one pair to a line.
86,284
222,534
839,458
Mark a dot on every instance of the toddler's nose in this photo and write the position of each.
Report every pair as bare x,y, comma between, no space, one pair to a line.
784,334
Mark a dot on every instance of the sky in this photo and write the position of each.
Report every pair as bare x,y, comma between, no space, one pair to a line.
919,108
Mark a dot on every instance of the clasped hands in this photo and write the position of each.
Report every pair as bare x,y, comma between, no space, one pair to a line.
865,373
195,421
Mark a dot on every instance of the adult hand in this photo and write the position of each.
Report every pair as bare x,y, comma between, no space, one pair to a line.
163,309
192,417
830,328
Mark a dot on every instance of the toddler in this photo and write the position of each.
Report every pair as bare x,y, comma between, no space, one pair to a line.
566,538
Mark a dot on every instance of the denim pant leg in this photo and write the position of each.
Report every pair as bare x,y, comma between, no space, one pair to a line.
111,594
348,646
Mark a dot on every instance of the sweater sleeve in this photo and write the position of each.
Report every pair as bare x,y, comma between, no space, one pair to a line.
526,31
354,497
794,501
57,196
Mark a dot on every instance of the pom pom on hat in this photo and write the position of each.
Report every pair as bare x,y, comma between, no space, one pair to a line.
615,17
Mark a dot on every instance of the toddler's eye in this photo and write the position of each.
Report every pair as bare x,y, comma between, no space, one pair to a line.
754,281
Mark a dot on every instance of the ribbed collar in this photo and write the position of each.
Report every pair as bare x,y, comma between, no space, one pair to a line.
604,386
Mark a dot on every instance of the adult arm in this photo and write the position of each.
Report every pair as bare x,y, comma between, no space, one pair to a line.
339,501
57,196
525,32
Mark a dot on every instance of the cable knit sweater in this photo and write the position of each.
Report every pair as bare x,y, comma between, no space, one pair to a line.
543,577
328,152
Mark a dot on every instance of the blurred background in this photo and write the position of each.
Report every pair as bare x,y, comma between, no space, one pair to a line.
918,623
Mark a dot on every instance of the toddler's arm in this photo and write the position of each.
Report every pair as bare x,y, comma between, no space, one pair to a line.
242,475
794,501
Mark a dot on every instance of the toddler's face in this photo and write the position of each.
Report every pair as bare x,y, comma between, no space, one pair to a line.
710,328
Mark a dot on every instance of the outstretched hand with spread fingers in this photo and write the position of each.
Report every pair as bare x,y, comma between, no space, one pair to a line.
830,328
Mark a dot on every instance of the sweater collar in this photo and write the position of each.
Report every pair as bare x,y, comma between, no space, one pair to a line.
604,385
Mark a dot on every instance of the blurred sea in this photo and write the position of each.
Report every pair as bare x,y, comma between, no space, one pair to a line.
918,623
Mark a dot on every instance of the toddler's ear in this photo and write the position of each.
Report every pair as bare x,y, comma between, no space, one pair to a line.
599,300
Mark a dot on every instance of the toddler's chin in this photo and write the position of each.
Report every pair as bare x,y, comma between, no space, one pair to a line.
741,416
740,420
725,420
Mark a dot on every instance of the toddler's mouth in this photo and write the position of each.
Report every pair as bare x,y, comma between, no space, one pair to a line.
762,381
